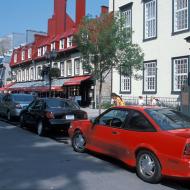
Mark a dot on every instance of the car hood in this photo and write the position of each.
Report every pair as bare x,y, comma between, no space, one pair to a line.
181,132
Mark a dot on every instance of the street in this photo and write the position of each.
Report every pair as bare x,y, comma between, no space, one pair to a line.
28,161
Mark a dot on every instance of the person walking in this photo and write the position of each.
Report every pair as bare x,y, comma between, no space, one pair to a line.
117,100
141,101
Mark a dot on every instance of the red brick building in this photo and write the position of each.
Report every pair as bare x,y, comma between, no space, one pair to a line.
27,61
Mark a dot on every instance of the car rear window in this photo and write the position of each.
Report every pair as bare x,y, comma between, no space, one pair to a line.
22,98
169,119
55,103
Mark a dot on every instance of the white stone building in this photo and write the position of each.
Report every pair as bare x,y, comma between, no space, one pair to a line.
160,28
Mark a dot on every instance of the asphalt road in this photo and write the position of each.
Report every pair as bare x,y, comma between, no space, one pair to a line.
29,162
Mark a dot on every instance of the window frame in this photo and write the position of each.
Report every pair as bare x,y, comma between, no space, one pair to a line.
154,91
15,57
69,67
69,41
22,55
174,31
29,53
77,60
62,44
122,91
144,21
174,91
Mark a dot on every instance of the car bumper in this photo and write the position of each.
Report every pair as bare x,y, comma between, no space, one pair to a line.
177,168
59,124
16,112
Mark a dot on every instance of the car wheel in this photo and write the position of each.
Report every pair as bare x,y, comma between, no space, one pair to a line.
22,124
9,116
148,167
40,129
78,142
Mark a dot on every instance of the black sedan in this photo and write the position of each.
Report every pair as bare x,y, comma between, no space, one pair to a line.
47,114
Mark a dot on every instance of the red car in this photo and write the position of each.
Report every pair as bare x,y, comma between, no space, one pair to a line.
154,140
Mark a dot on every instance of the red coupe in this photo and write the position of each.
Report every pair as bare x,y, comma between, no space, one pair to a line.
154,140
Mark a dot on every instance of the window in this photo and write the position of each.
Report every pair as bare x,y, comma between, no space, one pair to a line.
150,76
77,66
23,75
69,41
32,73
138,122
127,13
29,53
62,69
180,15
39,70
53,46
55,65
114,118
23,55
69,68
19,75
15,57
180,72
44,49
61,44
27,74
150,19
125,84
39,52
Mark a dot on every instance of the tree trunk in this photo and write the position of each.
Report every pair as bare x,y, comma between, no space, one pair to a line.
100,96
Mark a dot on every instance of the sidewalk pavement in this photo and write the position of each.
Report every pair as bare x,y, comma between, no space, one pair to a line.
92,113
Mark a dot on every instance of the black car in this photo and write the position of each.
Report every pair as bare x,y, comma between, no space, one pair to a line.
47,114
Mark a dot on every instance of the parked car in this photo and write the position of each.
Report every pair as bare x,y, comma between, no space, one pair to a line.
47,114
154,140
12,104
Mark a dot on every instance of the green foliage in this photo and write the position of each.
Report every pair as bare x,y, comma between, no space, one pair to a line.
55,72
106,105
8,79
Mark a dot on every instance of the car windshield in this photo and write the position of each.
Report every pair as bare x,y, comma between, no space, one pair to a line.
23,98
56,103
169,119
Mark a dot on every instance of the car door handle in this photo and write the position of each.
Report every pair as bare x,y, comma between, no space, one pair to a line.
115,133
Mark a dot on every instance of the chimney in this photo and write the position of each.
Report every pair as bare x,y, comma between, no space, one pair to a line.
60,15
80,10
104,9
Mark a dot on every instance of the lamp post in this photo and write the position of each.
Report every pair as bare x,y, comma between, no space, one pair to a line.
50,56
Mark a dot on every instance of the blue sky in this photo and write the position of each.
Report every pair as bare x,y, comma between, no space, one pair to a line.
20,15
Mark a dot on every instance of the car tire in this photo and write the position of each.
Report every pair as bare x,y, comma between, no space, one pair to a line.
9,117
79,142
40,129
148,167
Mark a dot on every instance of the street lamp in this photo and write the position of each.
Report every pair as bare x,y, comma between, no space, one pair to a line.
50,56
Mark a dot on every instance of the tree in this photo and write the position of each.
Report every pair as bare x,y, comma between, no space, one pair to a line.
105,43
50,73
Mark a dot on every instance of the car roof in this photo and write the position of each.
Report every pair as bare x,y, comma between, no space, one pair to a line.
138,108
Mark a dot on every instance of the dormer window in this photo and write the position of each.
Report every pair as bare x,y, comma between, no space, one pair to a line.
39,52
15,57
44,49
23,55
61,44
69,41
29,53
52,46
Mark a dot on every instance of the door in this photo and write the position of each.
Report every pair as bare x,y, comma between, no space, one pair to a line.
106,131
34,112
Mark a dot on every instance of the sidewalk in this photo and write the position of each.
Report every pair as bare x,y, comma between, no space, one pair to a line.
92,113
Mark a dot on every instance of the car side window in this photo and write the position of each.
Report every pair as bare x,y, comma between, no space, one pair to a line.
38,105
138,122
113,118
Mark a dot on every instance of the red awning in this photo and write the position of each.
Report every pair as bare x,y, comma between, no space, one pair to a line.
76,80
6,87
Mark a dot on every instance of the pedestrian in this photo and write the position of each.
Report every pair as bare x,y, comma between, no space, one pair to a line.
153,101
141,101
117,100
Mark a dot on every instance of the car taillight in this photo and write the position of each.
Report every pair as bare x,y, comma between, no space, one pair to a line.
18,106
187,149
50,115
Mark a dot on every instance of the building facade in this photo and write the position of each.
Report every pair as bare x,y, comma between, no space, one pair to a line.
28,61
160,28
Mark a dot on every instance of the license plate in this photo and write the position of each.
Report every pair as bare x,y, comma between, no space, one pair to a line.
70,117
